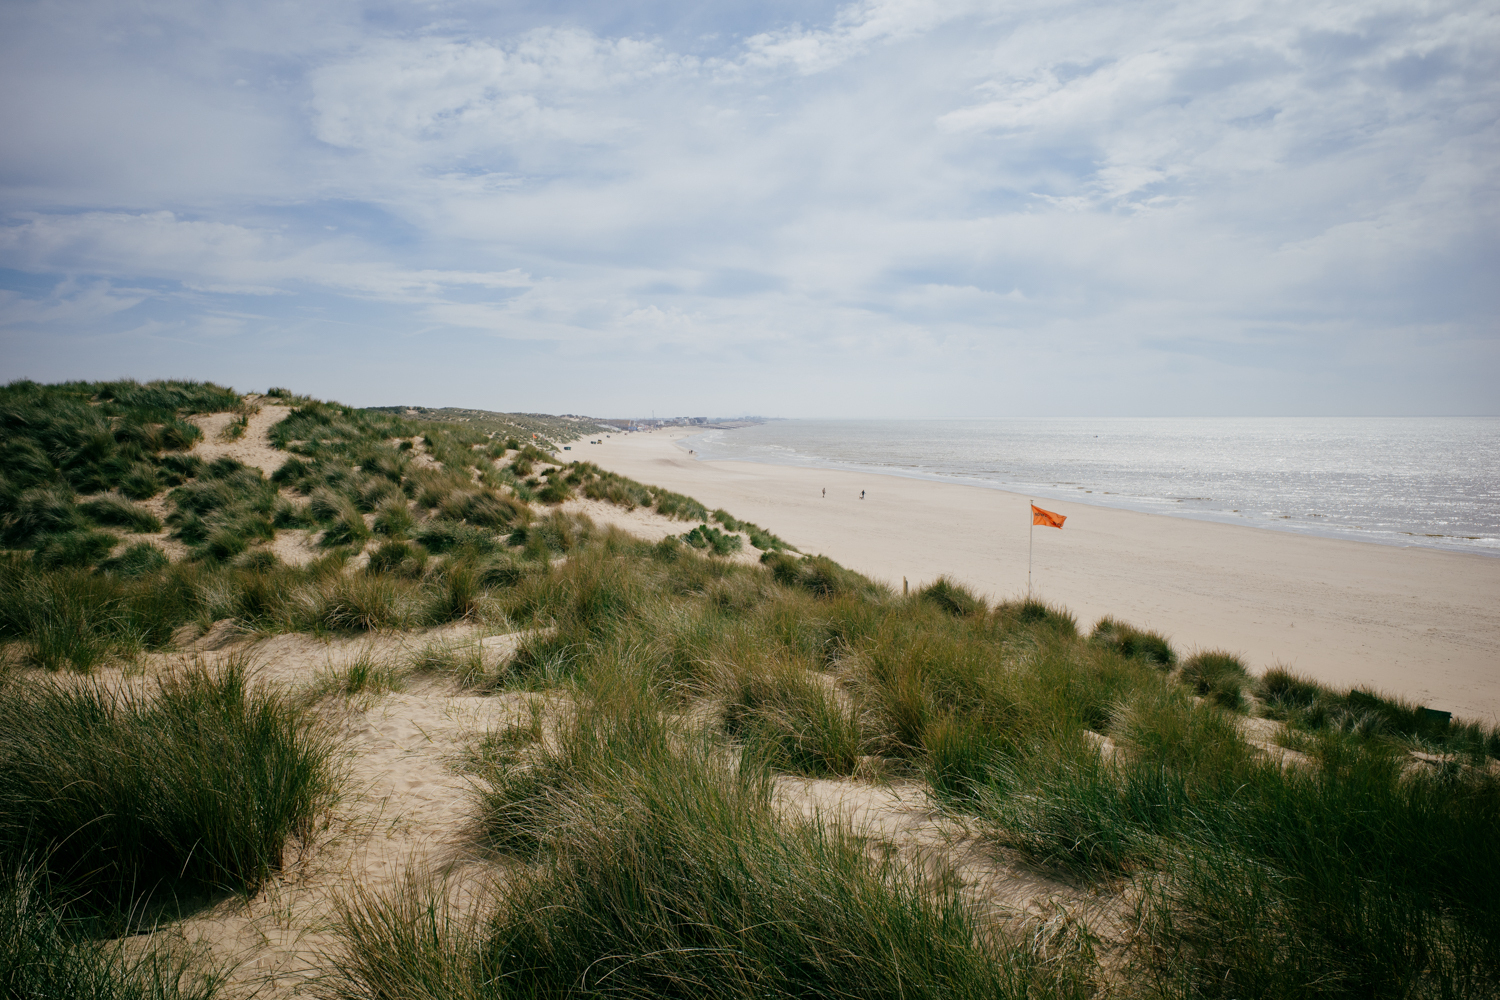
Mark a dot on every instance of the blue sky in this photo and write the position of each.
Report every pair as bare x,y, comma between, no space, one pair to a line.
894,208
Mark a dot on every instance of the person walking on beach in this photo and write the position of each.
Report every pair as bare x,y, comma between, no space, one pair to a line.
861,494
825,493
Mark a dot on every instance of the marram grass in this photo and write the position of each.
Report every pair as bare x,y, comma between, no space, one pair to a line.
124,796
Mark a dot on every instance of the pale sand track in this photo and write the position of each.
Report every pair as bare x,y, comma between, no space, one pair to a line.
253,447
1415,622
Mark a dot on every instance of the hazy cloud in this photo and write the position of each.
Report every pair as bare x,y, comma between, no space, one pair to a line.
891,206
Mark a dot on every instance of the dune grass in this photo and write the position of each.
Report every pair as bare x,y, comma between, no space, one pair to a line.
1217,675
1373,719
1127,640
1369,876
661,869
952,597
713,540
759,537
118,513
125,796
637,824
45,952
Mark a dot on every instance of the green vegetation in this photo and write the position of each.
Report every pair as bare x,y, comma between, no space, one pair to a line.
513,426
662,870
235,429
598,484
1135,643
676,697
759,537
124,797
714,540
46,953
1372,720
952,597
1217,675
367,675
1352,875
116,512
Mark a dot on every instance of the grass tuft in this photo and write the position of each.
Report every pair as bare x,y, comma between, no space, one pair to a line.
1217,675
788,717
140,559
196,786
1134,643
663,871
952,597
46,953
114,512
714,540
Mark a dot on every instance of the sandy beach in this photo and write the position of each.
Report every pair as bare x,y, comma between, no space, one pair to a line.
1414,622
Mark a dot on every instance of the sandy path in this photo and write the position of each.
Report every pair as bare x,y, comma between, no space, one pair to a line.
405,806
1416,622
253,447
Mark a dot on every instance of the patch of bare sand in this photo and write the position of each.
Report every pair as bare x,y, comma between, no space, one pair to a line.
294,546
902,816
407,810
1263,734
406,807
253,447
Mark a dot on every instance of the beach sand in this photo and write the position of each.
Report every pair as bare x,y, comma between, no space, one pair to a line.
1414,622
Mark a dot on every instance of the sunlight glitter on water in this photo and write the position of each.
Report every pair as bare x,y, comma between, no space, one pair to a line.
1431,481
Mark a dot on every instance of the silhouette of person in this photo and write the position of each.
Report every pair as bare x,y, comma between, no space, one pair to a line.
861,494
825,493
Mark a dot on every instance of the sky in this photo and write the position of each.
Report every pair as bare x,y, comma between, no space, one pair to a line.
891,208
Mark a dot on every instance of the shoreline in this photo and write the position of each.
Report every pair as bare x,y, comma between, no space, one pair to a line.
1414,621
1049,494
1131,502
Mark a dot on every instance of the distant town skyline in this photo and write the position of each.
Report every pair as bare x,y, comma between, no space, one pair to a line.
892,208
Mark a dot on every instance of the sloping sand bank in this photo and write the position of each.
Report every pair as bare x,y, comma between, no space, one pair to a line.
1414,622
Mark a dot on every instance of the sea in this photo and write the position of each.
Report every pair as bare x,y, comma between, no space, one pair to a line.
1427,481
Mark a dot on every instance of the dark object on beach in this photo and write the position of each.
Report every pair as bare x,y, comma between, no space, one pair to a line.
861,494
1435,715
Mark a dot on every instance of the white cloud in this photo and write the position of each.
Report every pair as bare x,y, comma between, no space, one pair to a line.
69,302
461,95
903,179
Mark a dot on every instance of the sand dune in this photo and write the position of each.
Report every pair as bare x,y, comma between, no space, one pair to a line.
1415,622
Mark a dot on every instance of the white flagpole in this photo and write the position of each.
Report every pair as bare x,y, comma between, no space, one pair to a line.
1030,543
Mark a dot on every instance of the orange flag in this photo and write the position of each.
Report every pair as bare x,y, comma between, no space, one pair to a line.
1046,518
